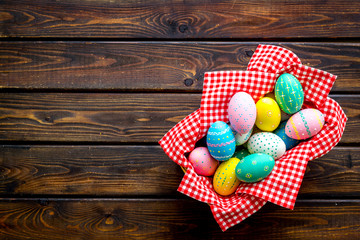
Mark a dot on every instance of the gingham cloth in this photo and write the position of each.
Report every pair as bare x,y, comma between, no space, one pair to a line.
282,185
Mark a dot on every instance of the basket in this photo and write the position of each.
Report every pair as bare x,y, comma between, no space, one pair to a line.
282,185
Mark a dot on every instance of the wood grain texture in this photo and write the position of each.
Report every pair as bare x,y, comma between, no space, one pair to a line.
101,117
333,176
88,170
94,84
143,171
92,117
153,66
171,219
176,19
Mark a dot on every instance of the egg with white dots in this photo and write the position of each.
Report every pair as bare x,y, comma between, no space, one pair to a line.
268,114
220,141
305,124
289,93
268,143
225,181
254,167
242,112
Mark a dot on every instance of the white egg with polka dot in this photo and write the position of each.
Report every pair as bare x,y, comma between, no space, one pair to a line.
268,143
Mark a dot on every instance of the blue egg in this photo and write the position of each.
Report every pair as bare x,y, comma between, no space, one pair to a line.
289,142
220,141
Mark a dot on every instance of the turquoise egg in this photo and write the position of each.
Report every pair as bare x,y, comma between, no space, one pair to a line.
289,142
220,141
254,167
240,154
289,93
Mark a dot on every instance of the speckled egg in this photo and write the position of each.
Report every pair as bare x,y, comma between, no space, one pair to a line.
220,141
240,139
204,164
240,154
268,114
289,142
305,124
268,143
225,181
254,167
242,112
289,93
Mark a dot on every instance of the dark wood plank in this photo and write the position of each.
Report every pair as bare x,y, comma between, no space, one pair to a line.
168,219
92,117
101,117
88,170
334,175
149,66
143,170
176,19
351,106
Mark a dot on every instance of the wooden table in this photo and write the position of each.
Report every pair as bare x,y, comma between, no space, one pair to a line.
89,87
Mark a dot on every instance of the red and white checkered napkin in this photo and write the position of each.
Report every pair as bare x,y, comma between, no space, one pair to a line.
282,185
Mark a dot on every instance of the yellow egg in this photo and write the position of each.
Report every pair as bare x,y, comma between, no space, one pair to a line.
268,114
225,181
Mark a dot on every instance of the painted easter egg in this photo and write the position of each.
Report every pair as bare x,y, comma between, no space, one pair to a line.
289,142
240,139
268,114
289,93
242,112
268,143
204,164
220,141
305,124
254,167
225,181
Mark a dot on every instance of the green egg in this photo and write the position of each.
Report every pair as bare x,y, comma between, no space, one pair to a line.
254,167
289,93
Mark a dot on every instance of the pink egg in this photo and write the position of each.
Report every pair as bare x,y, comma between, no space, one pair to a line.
203,163
242,112
304,124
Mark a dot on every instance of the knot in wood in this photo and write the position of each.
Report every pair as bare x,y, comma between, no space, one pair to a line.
188,82
249,53
183,28
109,221
43,202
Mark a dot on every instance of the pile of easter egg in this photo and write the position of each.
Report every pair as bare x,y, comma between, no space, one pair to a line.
246,147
